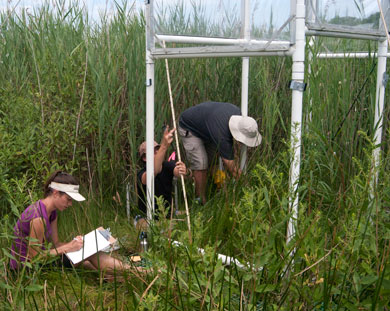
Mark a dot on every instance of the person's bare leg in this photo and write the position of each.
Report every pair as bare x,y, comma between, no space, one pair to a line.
200,177
88,265
106,262
142,224
109,263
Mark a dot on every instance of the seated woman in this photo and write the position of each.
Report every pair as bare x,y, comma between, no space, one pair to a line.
37,227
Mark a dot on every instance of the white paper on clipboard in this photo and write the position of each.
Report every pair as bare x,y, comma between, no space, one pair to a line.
93,242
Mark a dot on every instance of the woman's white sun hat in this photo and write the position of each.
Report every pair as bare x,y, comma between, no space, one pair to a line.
70,190
244,129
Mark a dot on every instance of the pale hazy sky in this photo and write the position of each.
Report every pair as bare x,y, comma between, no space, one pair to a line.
279,8
95,7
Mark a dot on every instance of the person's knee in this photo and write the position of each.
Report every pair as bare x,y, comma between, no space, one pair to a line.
88,264
141,225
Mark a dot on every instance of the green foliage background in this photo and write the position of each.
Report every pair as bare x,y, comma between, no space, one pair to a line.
72,96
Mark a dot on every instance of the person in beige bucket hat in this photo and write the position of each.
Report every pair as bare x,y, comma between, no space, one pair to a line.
244,130
208,129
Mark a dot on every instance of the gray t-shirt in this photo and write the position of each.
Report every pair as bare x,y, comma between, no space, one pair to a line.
210,122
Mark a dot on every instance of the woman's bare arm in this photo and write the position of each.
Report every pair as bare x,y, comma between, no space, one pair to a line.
37,236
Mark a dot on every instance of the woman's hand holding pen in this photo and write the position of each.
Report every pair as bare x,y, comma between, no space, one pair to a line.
75,244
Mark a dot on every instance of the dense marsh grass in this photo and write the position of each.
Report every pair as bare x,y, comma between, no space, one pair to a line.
72,96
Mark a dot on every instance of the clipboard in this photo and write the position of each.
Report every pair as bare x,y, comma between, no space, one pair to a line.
95,241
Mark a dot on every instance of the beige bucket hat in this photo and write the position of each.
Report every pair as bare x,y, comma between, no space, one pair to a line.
244,130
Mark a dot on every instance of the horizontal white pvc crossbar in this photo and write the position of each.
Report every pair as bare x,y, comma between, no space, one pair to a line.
215,51
237,48
166,53
349,55
309,32
345,30
210,40
220,47
344,35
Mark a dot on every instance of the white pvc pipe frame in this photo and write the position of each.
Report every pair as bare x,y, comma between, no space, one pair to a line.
149,112
246,47
298,73
245,17
226,260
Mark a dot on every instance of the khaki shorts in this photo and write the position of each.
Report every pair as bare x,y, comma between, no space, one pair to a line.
199,155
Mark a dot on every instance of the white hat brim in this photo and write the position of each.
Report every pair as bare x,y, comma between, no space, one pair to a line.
69,189
76,196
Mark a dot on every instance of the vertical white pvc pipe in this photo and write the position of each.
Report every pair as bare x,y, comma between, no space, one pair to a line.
293,9
149,111
313,6
245,19
380,96
310,58
379,105
298,73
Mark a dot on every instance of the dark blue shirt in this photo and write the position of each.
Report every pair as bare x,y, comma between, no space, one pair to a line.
210,122
162,185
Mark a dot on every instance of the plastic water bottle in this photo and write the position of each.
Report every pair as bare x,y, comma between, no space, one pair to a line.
144,241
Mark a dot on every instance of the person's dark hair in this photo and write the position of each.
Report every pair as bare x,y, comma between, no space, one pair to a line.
60,177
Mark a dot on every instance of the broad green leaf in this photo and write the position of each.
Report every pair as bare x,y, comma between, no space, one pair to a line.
34,287
5,286
264,288
369,279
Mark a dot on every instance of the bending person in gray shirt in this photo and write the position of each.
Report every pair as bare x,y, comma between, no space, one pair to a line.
209,128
